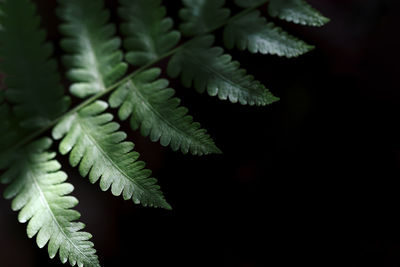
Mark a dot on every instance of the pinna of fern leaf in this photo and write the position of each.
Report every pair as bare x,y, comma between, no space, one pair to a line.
40,194
95,145
152,108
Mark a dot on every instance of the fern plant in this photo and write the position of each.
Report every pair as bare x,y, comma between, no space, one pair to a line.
110,71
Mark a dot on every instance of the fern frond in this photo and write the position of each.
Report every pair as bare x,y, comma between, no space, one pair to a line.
207,68
252,32
39,192
201,16
147,30
95,143
249,3
94,60
31,76
153,108
296,11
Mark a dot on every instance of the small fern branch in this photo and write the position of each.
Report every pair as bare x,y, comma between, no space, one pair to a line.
39,192
35,134
96,145
153,108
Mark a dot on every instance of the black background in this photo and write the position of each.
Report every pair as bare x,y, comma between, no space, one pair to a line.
310,180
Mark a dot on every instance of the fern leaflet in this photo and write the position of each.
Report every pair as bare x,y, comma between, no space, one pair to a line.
201,16
296,11
252,32
95,143
39,192
148,32
209,69
93,59
152,108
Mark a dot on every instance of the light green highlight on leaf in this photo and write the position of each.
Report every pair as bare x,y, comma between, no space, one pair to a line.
93,58
40,194
94,143
153,108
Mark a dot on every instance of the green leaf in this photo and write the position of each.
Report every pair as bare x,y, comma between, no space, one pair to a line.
31,76
208,68
93,59
296,11
202,16
252,32
39,192
249,3
152,107
96,145
147,30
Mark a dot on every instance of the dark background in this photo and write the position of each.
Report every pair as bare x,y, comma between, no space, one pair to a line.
310,180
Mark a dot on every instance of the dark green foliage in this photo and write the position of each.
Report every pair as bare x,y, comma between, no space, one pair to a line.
25,58
249,3
296,11
208,68
201,16
254,33
147,30
152,107
33,102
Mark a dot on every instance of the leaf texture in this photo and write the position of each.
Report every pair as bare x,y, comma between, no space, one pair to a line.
39,192
31,76
93,58
96,145
254,33
208,68
296,11
249,3
202,16
152,107
147,30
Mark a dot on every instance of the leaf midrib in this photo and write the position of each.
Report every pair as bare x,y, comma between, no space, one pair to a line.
226,79
166,121
93,141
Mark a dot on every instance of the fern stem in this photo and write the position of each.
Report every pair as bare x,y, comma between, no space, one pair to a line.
90,100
